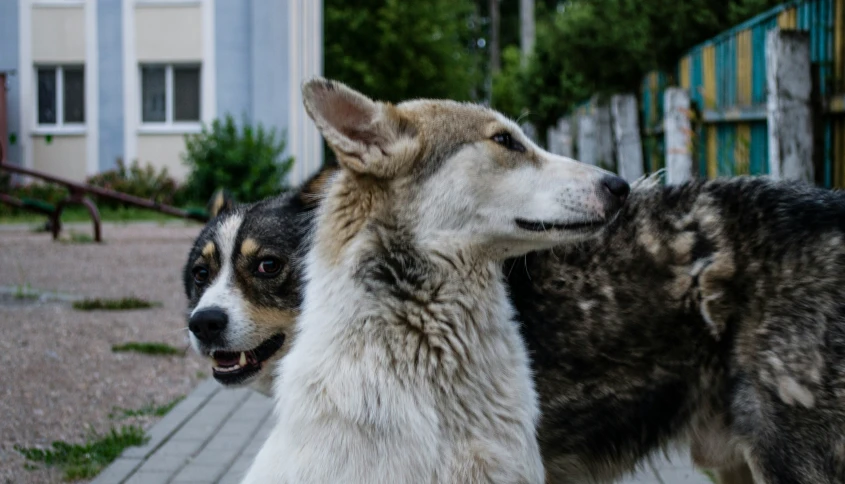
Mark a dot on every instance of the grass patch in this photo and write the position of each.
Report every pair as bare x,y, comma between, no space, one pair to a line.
710,475
146,410
74,214
201,375
155,349
77,238
84,461
113,304
25,291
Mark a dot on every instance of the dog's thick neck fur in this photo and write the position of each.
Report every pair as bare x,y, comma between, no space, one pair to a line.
416,350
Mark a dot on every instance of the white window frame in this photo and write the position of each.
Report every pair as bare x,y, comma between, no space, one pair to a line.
58,3
167,3
60,127
168,126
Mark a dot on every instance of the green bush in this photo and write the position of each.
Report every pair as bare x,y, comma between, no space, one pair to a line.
44,192
138,181
245,160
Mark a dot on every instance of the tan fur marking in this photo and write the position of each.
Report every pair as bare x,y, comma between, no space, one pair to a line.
208,250
682,247
349,209
218,203
271,320
791,392
249,247
314,191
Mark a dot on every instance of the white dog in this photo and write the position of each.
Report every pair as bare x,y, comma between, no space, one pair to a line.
407,366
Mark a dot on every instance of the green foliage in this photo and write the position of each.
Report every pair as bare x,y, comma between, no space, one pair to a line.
84,461
139,181
77,238
145,411
25,291
398,49
113,304
78,213
34,192
507,94
152,349
585,47
245,160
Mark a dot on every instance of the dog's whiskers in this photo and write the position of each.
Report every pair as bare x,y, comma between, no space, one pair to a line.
525,263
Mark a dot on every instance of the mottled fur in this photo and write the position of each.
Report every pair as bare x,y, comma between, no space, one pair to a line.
713,312
408,366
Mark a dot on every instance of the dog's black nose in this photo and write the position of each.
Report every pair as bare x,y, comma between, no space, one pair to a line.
616,191
208,324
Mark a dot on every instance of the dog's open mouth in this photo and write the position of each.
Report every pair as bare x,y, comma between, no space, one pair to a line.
539,226
234,367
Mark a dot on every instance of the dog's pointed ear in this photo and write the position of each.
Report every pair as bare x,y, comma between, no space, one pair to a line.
368,137
221,201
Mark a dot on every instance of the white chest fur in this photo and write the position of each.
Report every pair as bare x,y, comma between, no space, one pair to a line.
379,387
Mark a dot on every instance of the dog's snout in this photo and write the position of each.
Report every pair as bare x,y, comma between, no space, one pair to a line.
208,324
615,191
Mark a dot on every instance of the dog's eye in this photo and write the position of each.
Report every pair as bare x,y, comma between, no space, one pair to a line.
505,139
269,266
200,275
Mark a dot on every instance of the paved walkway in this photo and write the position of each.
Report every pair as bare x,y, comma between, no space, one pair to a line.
212,436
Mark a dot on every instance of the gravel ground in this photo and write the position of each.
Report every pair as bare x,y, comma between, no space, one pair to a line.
60,379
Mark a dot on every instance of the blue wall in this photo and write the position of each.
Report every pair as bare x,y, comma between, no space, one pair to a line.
233,46
270,80
251,40
9,60
110,46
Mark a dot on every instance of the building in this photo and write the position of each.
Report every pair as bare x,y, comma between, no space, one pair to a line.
91,81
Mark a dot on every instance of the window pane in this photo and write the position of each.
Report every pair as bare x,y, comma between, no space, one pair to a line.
152,95
186,93
74,101
47,96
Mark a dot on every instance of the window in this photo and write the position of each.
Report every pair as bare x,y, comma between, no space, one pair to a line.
61,96
170,94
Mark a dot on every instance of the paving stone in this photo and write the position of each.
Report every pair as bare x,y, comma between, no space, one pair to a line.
117,471
149,478
214,434
165,463
196,472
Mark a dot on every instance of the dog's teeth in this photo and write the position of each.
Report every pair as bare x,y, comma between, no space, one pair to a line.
227,369
243,359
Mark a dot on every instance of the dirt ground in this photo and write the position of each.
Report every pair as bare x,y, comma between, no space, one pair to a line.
60,378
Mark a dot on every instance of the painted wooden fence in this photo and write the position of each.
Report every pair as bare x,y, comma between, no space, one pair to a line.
726,80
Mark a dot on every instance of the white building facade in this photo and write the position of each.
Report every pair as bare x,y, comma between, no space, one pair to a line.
92,81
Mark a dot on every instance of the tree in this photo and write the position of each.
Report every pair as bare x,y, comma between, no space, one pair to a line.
399,49
607,46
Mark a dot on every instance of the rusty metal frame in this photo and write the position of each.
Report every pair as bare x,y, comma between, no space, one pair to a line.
78,195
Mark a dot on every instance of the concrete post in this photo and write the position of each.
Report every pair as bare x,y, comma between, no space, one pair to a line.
626,135
587,138
495,54
564,133
790,117
552,140
3,126
530,130
604,138
677,132
526,28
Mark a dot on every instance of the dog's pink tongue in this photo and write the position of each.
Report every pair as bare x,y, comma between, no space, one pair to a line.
225,358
